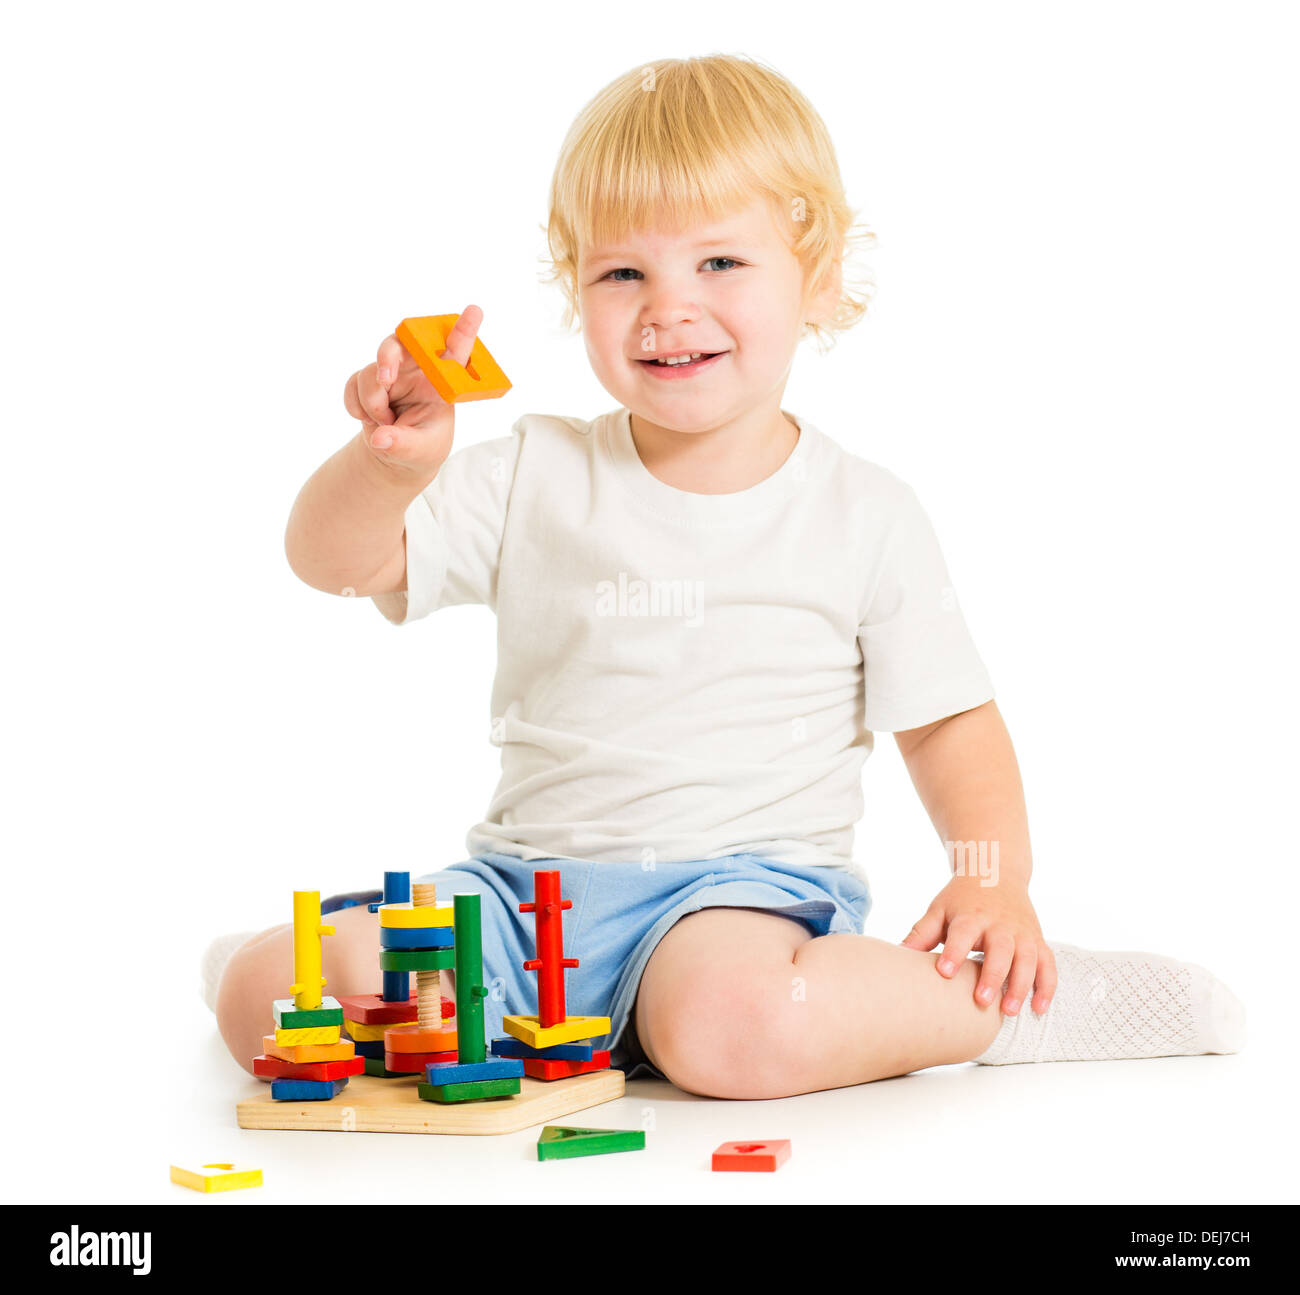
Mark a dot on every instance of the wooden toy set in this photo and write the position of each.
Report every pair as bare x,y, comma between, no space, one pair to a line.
545,1065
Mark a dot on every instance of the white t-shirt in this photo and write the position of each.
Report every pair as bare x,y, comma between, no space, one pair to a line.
689,675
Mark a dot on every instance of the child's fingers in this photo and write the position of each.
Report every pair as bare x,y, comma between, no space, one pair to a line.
998,953
373,395
962,934
460,341
927,932
1021,980
352,400
1044,979
388,360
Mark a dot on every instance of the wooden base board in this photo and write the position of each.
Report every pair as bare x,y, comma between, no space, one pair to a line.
372,1105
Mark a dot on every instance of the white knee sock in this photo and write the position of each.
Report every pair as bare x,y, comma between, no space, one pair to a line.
213,963
1112,1006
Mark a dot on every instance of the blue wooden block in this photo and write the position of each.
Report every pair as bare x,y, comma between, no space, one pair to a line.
306,1090
472,1072
509,1047
416,937
370,1048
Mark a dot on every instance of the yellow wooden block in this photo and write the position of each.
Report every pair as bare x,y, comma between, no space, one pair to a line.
527,1029
480,378
215,1178
297,1052
407,917
307,1034
361,1033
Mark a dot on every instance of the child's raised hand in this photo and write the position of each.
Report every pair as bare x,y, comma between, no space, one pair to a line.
999,921
405,422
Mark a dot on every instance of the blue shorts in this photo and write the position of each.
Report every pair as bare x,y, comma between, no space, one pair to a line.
620,913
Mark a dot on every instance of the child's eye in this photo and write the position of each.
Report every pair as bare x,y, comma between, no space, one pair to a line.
622,269
729,260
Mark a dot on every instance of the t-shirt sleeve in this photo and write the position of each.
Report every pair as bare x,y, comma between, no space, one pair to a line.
919,661
454,530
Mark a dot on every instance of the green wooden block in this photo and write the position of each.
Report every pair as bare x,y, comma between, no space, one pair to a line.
417,959
289,1017
375,1066
469,1092
560,1142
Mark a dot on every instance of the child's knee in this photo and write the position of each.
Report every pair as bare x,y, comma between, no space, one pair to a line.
251,980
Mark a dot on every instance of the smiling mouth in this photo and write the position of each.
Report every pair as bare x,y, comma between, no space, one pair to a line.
692,360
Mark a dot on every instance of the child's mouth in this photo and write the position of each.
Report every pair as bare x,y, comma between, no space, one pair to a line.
682,366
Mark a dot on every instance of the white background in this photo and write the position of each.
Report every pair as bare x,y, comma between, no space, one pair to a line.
1081,354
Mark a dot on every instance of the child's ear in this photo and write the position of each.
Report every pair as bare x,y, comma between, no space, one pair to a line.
824,299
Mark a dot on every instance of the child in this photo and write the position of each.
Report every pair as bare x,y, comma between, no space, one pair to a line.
705,610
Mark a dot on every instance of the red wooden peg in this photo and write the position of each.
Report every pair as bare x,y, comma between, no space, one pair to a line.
547,909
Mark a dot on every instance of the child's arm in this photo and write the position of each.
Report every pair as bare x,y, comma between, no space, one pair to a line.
964,770
346,533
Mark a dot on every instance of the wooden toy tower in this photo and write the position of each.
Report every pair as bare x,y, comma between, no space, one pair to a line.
397,1032
551,1045
305,1059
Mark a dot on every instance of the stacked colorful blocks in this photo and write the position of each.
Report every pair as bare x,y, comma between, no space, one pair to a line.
306,1059
552,1044
417,936
366,1017
469,1075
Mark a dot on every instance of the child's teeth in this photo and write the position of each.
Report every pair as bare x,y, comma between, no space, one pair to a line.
681,359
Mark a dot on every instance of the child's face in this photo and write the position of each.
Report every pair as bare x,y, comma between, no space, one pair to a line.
732,289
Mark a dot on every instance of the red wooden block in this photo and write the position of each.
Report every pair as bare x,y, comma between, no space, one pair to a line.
265,1067
413,1063
751,1157
550,1068
370,1009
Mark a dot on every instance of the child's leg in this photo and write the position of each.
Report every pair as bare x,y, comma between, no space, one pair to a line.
738,1002
261,970
744,1003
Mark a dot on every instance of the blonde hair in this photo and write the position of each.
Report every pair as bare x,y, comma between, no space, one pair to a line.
685,140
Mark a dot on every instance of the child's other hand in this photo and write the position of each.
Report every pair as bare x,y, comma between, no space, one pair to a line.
999,921
404,421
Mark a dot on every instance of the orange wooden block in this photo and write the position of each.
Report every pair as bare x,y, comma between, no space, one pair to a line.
418,1038
302,1052
480,378
752,1157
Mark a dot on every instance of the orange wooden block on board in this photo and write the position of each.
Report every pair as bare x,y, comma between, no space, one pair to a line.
480,378
341,1051
418,1038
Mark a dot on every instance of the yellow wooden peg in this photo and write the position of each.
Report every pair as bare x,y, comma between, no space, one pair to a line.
308,1034
343,1050
215,1178
307,931
479,378
407,917
529,1030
